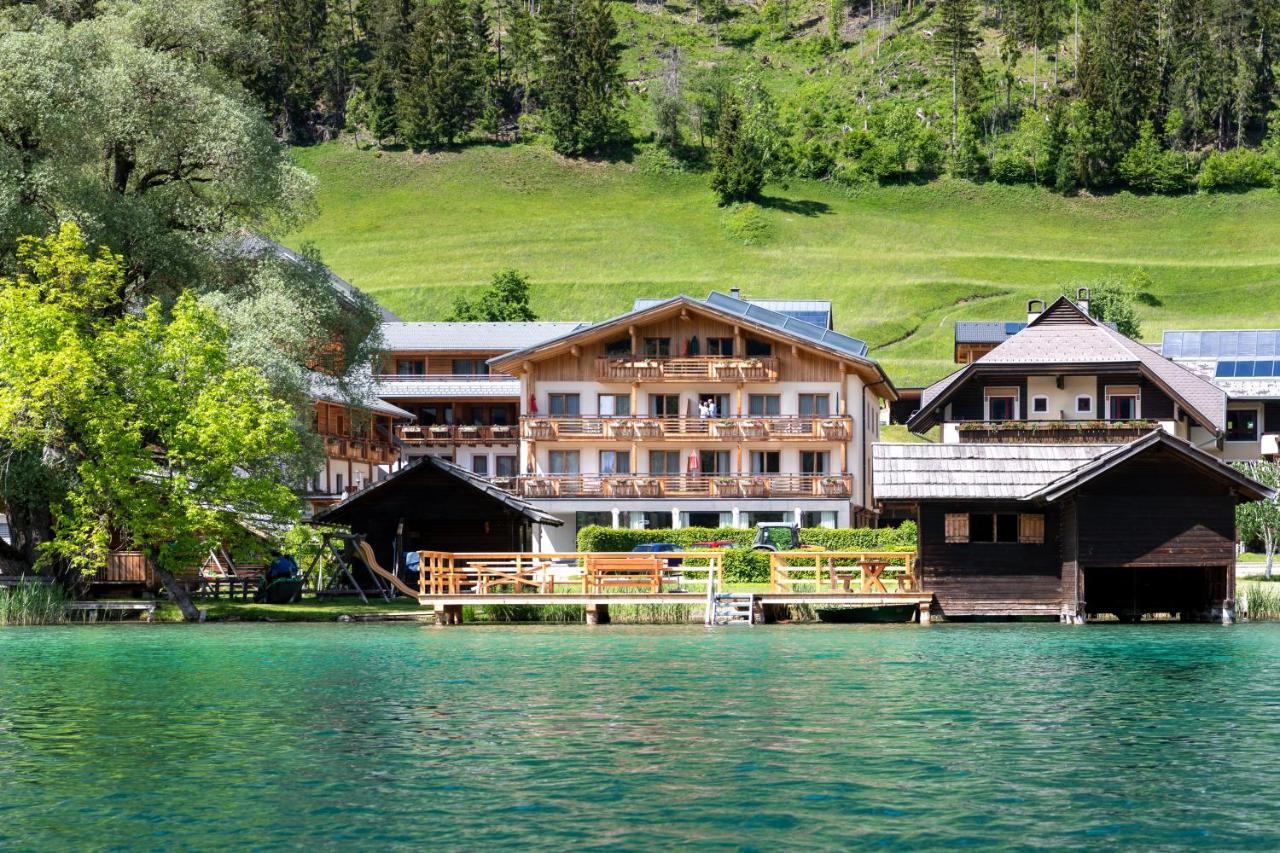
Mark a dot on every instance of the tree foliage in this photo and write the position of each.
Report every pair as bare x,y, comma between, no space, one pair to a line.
737,166
581,83
1259,521
162,442
505,300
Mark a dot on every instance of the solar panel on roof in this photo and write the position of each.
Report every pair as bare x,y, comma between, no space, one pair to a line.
1263,368
1244,369
1171,347
1225,370
1266,343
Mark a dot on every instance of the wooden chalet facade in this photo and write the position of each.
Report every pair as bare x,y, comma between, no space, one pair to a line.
1072,530
1079,474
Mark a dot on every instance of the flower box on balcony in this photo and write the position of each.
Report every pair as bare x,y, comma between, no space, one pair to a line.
539,488
647,429
833,429
833,486
724,486
647,488
539,429
756,487
751,429
724,429
501,431
439,431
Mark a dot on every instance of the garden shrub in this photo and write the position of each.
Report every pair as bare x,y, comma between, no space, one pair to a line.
901,538
746,223
1237,169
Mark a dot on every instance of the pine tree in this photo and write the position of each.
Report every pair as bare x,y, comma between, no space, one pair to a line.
443,81
737,169
957,40
581,81
1120,71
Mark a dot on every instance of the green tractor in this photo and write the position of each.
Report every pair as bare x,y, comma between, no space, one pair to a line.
779,536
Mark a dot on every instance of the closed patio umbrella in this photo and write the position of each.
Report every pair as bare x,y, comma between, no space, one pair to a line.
695,462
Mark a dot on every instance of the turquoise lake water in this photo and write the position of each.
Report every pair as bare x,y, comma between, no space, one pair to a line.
637,738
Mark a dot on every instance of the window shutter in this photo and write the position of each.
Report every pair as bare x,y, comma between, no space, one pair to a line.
957,527
1031,529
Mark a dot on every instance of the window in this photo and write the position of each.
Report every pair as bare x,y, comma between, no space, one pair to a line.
664,462
645,520
815,405
1001,404
664,405
1123,403
1040,404
564,405
657,347
593,519
814,461
1084,404
751,519
564,462
411,366
759,349
713,462
766,462
470,367
614,405
505,466
433,415
615,462
719,405
706,519
818,518
499,415
764,405
1242,425
622,346
480,465
993,527
720,346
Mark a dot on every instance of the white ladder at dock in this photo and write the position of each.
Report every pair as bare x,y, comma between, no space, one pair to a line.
733,608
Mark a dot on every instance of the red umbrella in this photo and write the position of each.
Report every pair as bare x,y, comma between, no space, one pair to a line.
695,464
533,404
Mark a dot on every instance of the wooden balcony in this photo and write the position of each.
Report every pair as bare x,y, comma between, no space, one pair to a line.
1054,432
360,450
453,435
689,369
699,430
685,486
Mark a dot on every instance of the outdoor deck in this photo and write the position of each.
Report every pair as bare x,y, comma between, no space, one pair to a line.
449,581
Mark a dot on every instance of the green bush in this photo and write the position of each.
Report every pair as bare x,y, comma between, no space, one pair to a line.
902,538
746,224
742,565
1237,169
1009,167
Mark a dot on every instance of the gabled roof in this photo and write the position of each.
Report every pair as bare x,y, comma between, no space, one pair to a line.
1025,472
974,471
326,388
479,337
335,514
1066,336
486,387
1245,486
816,312
730,309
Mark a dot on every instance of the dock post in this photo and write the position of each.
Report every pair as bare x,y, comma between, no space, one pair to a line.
597,614
925,617
448,614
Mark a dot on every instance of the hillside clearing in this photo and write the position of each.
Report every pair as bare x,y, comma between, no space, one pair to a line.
900,263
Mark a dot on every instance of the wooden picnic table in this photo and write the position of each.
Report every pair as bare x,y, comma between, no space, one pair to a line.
518,575
870,572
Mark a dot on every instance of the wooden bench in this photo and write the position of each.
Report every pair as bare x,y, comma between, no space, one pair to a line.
605,572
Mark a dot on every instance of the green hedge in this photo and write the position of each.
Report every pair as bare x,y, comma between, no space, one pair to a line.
741,564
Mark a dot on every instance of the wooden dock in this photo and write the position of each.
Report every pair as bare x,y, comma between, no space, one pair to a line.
447,582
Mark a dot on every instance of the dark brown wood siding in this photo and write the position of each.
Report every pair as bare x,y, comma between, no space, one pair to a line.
969,402
976,578
1156,511
1155,404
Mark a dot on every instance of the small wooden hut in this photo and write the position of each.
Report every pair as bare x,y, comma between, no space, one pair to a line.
433,504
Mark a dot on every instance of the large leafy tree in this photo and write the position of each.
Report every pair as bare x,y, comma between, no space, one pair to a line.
160,441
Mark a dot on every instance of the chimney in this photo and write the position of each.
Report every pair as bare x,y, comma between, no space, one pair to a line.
1082,299
735,293
1035,307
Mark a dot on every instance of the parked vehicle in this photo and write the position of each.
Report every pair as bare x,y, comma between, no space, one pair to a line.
779,536
659,548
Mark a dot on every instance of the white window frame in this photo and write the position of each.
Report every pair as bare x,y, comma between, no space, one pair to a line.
995,391
1257,430
1087,410
1124,391
1037,398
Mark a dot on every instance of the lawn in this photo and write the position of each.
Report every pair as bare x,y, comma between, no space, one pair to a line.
901,264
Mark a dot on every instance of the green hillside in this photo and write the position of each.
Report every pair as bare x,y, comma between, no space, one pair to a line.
900,263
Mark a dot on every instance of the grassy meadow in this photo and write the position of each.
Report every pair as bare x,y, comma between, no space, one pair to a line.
900,263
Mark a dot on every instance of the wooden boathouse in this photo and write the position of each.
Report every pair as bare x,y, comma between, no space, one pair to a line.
1071,530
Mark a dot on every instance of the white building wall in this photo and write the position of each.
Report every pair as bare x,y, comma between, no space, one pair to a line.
1061,402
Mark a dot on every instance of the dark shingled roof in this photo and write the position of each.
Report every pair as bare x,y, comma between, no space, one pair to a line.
986,331
528,510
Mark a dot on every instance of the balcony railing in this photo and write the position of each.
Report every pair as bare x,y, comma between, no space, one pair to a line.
689,369
442,377
450,435
684,486
360,450
1054,432
687,429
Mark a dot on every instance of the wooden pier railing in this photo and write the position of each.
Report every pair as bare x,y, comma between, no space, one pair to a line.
549,573
701,430
839,571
